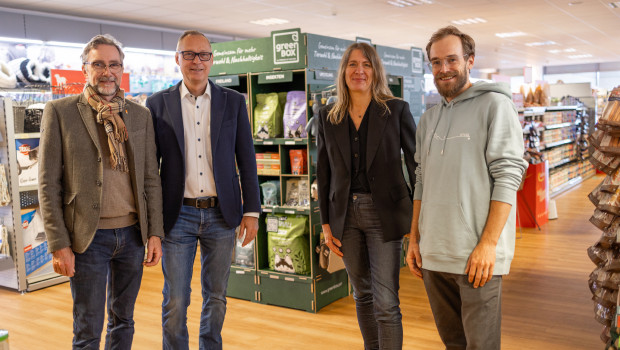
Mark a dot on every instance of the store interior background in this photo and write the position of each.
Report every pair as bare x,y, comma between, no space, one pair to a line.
524,42
521,41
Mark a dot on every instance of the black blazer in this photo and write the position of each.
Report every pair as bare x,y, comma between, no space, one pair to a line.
231,140
388,133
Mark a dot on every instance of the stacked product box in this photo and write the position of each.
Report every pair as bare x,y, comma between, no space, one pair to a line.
268,163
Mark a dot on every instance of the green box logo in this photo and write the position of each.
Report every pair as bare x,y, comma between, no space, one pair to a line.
286,47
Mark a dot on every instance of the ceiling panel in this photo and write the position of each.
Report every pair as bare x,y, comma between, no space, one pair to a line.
589,27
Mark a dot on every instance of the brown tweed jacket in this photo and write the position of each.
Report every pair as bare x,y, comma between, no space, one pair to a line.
71,172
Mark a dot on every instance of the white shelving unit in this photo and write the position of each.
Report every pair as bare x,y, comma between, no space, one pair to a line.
29,266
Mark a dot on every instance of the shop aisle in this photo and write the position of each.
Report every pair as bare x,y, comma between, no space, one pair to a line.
546,302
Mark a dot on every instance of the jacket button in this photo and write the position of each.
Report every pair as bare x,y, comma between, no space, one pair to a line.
99,159
95,206
99,183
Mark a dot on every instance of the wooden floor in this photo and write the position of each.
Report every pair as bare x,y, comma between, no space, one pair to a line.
546,303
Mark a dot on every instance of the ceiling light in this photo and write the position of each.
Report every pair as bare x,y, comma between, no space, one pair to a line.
149,51
570,50
580,56
469,21
573,3
510,34
403,3
614,5
64,44
542,43
269,21
21,41
555,51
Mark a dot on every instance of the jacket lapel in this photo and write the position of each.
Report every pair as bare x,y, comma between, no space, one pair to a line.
376,126
341,134
174,114
218,106
88,117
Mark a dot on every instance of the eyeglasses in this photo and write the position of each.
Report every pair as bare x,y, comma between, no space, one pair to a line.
100,66
450,61
190,55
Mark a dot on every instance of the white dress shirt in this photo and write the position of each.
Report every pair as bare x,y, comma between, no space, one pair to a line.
196,110
199,181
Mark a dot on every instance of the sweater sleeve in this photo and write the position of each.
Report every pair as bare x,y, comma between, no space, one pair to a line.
504,153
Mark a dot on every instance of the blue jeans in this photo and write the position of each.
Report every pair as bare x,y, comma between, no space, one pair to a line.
373,266
114,258
216,238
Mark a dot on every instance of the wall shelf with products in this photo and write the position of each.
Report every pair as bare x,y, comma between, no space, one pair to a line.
31,266
562,132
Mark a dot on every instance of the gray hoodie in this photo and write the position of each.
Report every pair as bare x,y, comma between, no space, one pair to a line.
469,151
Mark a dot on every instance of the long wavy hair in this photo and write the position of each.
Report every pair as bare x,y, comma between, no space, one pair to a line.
380,91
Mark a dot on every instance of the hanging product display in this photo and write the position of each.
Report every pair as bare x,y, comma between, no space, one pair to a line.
8,80
605,254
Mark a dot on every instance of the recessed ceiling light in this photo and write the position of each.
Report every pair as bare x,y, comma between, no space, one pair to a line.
555,51
269,21
475,20
403,3
614,5
570,50
510,34
21,40
542,43
580,56
573,3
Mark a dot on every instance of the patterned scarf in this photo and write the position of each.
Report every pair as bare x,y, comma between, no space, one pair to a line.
108,114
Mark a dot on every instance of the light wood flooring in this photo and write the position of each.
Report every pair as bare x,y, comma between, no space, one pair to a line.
546,302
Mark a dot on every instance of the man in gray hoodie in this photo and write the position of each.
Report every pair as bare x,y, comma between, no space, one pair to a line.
469,150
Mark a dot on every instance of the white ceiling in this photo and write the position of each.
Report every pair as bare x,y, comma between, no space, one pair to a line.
586,27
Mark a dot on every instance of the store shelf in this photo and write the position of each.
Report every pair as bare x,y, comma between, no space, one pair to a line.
280,141
562,162
558,126
285,210
28,188
289,277
29,135
567,185
558,143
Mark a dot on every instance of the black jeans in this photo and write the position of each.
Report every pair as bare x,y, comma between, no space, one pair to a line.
373,267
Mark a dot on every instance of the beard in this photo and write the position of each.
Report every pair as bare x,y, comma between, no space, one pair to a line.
107,91
451,90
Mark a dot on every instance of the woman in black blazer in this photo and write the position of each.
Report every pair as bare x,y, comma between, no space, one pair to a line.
364,199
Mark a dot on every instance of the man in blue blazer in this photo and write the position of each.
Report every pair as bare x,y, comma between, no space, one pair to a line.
203,136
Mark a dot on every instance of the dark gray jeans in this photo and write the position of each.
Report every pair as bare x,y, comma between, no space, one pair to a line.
373,267
467,318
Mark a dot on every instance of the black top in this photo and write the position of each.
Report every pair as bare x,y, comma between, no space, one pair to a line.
358,139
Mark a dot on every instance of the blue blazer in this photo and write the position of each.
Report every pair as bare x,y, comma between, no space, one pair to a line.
231,139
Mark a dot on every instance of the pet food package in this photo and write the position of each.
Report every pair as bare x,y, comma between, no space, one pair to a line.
35,241
268,163
271,192
294,118
33,115
267,116
297,193
244,256
27,161
287,243
299,161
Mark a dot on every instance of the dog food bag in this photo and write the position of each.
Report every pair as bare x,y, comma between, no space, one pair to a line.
287,243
